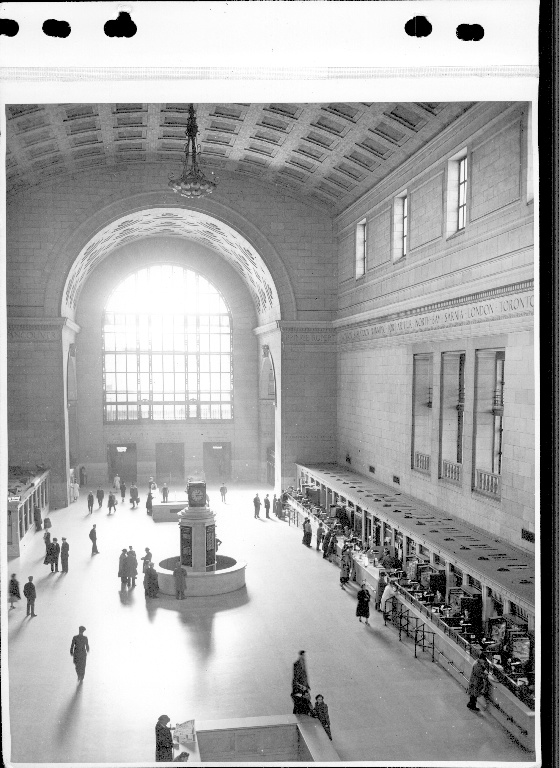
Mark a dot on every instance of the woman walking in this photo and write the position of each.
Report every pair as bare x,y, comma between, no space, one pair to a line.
13,591
362,609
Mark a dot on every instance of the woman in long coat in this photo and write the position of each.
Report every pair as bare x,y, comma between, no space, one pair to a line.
164,741
13,591
151,583
362,609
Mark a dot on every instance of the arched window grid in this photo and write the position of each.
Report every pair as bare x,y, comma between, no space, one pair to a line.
161,364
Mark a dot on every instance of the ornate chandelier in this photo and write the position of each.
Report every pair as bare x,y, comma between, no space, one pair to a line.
192,182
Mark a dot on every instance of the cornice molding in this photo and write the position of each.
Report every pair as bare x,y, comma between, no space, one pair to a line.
39,328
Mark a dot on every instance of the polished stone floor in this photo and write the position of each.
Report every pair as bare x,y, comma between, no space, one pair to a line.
218,657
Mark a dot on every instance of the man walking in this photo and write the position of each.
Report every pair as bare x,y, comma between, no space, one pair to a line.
123,491
267,505
134,495
79,650
30,593
179,575
93,537
112,502
64,551
223,491
257,505
100,493
90,502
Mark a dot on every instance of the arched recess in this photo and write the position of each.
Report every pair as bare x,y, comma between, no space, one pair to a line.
156,214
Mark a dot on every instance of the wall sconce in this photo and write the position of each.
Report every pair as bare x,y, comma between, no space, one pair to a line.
265,350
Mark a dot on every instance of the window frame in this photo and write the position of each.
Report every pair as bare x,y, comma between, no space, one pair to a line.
401,226
457,193
176,384
360,263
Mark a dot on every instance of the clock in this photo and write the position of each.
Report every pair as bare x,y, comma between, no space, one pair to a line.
196,493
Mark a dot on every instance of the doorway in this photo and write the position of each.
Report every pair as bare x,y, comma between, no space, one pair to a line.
217,461
121,460
170,463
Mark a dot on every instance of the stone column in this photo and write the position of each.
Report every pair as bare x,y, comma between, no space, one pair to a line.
38,398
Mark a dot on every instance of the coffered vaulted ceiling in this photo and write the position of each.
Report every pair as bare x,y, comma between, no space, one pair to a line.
331,152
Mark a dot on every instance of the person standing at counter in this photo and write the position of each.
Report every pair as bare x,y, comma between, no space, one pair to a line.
389,592
345,562
326,542
381,584
320,535
478,683
164,741
307,532
362,609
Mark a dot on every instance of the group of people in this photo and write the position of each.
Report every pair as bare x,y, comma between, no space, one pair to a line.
301,696
54,551
120,485
275,505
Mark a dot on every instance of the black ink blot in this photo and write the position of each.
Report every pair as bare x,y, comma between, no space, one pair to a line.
9,27
123,26
419,26
55,28
470,32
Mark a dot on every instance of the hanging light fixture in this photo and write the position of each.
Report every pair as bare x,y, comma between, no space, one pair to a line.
192,182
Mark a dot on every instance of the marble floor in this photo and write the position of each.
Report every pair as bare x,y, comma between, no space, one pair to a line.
218,657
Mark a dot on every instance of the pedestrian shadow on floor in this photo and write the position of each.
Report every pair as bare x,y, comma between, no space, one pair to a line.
68,716
196,614
13,633
126,596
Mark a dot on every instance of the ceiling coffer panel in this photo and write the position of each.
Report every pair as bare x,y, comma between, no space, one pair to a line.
334,152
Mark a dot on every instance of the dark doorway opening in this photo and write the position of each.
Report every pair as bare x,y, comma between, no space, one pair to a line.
270,465
217,461
170,463
121,460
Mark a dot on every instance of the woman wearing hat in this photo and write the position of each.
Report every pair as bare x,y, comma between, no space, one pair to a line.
164,741
362,609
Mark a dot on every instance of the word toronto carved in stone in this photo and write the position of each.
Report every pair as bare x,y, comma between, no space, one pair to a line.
495,309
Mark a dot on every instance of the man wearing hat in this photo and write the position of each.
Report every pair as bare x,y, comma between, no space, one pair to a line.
79,650
64,550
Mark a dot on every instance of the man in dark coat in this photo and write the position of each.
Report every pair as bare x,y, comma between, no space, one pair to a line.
164,741
100,496
134,495
37,518
90,502
300,671
79,650
54,555
478,683
257,505
64,552
149,504
30,593
123,490
122,569
147,559
326,543
93,537
164,493
131,567
266,505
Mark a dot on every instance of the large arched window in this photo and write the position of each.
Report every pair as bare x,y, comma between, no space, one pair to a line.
167,349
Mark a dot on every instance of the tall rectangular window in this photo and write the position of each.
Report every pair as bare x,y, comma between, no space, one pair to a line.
361,249
452,411
457,192
422,394
401,215
489,413
462,201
